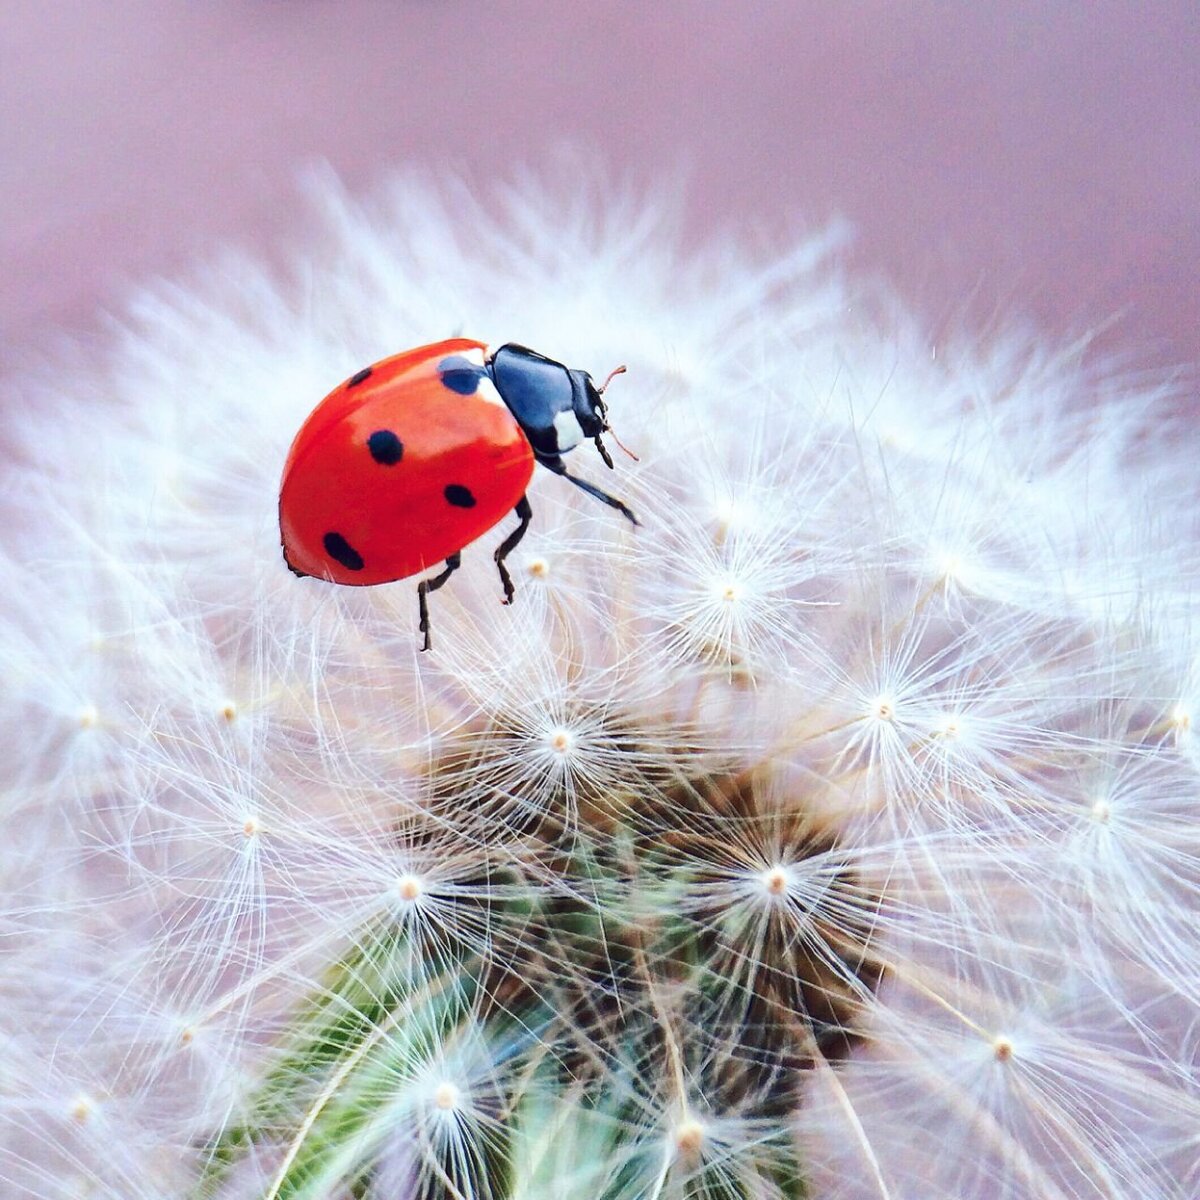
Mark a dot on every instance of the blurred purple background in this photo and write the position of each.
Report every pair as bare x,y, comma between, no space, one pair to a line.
1031,159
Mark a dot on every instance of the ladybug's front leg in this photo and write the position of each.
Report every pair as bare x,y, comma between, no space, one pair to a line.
525,515
555,463
431,585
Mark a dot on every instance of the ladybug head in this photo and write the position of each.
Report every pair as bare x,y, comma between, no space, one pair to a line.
591,412
587,403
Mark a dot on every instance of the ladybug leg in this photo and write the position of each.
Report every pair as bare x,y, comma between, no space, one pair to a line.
506,547
431,585
604,454
555,464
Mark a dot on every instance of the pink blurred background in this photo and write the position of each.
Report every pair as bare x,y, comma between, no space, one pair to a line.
1037,159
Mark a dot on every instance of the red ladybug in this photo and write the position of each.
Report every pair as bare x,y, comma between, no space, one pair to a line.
409,460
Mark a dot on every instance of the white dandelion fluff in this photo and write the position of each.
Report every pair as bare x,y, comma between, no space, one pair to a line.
833,834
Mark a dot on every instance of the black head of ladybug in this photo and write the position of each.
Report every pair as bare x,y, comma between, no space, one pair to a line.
556,407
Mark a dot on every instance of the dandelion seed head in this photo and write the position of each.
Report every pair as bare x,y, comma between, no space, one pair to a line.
873,740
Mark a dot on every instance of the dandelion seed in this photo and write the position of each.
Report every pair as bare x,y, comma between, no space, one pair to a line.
949,566
688,1137
948,727
561,741
725,512
775,881
409,888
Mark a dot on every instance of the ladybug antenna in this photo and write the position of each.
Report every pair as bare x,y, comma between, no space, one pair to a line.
604,416
611,376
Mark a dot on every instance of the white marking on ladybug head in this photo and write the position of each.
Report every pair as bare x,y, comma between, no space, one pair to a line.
567,431
486,390
474,357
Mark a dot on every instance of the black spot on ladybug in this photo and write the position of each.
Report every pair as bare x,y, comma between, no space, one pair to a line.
459,375
359,377
386,448
342,552
459,496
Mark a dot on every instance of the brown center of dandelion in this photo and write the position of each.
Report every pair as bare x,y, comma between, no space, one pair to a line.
619,895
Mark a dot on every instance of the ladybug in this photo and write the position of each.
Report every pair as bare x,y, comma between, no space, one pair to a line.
416,456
